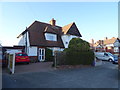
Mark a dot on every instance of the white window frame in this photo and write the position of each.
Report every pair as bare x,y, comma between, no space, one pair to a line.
50,37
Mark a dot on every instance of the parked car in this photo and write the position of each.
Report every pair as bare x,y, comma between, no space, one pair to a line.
22,58
105,56
115,61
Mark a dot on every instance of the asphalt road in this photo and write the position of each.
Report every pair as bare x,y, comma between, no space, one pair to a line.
104,76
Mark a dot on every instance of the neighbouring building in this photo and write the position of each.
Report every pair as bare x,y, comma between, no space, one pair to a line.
117,46
109,45
1,52
40,35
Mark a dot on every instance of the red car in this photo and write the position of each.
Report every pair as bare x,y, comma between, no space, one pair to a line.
22,58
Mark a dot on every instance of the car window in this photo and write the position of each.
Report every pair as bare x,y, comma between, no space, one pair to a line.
105,54
21,54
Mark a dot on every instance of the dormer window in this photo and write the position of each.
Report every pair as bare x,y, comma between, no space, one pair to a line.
51,37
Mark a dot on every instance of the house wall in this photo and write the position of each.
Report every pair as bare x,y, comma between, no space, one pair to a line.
0,52
66,39
116,44
116,49
109,45
32,51
22,41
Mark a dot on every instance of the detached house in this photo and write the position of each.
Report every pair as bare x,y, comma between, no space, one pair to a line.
40,35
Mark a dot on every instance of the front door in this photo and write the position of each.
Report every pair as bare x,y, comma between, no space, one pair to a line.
41,54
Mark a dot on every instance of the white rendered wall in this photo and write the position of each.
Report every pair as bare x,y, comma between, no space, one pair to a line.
109,45
117,44
116,49
22,40
32,51
66,39
0,52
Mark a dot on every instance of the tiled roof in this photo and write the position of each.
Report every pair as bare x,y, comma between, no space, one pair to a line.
110,41
71,29
38,29
66,28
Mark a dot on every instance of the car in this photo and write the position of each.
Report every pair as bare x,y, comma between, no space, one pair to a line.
115,61
22,58
104,56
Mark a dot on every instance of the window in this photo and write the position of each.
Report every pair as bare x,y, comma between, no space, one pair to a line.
51,37
66,42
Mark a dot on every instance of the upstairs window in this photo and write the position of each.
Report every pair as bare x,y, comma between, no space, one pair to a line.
51,37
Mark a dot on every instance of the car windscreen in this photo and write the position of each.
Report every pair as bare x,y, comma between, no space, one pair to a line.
21,54
110,54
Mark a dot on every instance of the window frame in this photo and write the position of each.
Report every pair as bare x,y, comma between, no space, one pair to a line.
51,37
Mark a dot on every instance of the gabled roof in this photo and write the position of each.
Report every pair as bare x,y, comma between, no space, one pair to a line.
37,29
66,28
71,29
110,41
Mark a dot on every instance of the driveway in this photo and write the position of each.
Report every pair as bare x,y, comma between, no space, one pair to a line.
104,76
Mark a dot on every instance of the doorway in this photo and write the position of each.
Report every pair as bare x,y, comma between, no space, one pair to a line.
41,54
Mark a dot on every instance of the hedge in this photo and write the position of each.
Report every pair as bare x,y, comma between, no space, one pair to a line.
76,58
49,55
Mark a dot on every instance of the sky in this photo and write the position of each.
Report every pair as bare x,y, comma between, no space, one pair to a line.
95,20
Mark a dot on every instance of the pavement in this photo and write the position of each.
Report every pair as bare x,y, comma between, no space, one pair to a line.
104,76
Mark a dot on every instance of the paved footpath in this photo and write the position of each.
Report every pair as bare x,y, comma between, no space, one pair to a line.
105,76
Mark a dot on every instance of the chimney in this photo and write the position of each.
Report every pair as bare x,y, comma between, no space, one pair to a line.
92,41
53,22
105,38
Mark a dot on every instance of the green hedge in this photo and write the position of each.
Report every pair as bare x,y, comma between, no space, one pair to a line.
76,58
48,55
78,52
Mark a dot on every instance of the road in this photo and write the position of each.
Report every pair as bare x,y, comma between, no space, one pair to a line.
104,76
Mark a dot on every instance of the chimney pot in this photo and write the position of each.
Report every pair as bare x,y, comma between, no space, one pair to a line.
53,22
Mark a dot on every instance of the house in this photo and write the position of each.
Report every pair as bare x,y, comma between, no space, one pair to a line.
0,52
97,46
117,46
40,35
109,45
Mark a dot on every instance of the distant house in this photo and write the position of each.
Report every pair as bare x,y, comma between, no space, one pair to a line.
0,52
40,35
109,45
117,46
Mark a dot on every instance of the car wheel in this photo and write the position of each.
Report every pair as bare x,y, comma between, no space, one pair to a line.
110,60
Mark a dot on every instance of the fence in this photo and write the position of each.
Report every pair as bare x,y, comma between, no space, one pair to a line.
11,63
60,58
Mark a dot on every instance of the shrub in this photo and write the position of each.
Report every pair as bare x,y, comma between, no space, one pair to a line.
48,55
78,52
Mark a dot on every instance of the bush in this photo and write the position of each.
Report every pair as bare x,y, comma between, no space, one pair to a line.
48,55
76,58
78,52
